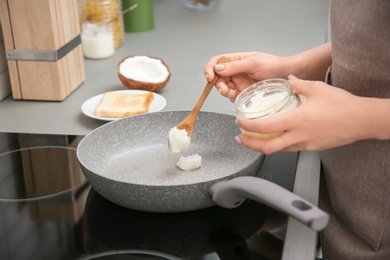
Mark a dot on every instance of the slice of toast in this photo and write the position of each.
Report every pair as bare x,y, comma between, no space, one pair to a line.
121,104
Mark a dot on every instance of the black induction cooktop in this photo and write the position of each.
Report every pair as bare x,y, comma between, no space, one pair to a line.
49,211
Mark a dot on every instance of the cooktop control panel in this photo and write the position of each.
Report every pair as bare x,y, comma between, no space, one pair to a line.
280,168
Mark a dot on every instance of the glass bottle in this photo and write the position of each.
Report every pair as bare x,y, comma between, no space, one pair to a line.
264,99
104,11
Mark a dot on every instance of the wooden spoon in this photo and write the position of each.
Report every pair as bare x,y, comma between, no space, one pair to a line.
189,122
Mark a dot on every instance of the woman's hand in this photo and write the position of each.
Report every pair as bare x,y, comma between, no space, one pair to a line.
327,118
244,69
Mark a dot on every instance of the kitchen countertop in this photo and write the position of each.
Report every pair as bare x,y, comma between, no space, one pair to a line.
185,40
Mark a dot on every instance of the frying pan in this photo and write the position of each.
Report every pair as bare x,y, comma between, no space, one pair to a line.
129,163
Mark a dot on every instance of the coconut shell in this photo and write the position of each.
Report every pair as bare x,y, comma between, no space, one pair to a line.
135,84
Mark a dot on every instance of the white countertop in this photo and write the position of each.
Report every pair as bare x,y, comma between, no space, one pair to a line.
185,40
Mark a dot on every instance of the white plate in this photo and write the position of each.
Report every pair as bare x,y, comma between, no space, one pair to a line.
89,106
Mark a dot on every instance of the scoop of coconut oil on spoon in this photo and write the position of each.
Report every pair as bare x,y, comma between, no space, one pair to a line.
177,140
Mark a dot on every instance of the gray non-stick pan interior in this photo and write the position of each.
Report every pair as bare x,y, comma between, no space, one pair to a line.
128,161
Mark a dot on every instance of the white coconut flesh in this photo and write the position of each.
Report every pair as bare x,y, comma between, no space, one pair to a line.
144,68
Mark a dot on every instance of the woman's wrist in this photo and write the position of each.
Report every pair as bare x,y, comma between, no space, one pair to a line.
311,64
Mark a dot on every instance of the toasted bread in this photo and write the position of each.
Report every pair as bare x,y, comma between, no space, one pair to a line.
121,104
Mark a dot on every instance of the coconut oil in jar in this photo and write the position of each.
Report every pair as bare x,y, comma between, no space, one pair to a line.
97,40
264,99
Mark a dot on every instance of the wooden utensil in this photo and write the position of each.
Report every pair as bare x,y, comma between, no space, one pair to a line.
189,122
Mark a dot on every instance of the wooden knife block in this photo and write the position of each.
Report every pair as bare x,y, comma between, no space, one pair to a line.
33,26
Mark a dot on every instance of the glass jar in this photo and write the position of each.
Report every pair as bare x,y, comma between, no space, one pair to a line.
201,4
97,40
101,12
264,99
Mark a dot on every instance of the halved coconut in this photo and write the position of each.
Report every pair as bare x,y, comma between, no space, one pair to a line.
143,72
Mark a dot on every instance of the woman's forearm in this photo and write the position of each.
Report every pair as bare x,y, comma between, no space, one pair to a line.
312,64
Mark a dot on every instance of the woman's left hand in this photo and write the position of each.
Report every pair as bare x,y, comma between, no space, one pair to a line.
327,118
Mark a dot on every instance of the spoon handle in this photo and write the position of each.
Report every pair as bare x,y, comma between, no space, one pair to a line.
189,122
207,89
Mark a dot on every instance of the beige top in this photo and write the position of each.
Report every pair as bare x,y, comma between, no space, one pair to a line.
356,190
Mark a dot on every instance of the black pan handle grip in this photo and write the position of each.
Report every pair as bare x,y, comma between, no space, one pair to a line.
231,193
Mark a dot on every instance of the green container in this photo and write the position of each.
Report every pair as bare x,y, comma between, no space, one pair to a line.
141,16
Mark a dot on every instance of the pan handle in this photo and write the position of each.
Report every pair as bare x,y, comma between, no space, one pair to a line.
232,193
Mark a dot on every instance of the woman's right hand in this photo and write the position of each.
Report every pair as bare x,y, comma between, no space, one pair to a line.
244,69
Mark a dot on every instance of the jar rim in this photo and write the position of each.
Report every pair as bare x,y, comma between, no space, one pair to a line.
269,86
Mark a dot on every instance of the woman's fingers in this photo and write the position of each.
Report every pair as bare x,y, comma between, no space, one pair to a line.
238,64
264,145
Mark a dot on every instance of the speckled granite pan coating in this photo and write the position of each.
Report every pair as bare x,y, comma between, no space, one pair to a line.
129,163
